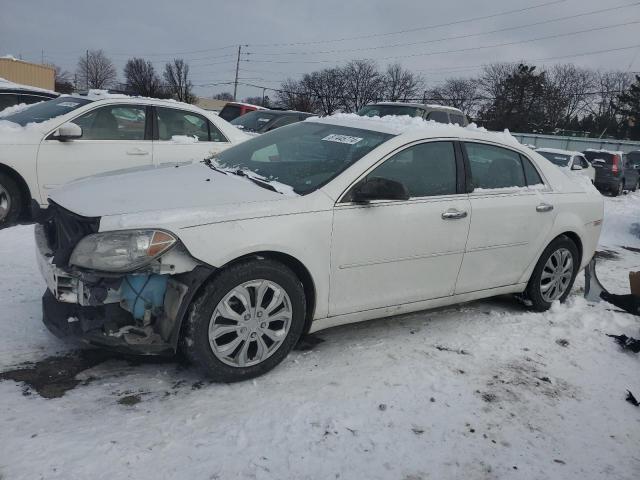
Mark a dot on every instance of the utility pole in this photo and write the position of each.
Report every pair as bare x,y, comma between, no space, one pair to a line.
87,70
235,84
42,57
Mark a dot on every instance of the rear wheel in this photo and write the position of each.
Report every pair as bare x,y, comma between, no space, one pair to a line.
246,321
554,274
10,201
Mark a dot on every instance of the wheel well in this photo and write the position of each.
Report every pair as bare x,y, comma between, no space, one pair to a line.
576,240
22,185
301,272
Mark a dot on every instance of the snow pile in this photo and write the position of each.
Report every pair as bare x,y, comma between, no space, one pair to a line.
400,124
621,225
184,139
14,109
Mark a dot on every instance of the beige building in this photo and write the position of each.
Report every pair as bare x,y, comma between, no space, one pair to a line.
33,74
210,104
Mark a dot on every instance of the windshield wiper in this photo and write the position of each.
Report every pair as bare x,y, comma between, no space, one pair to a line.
209,163
263,184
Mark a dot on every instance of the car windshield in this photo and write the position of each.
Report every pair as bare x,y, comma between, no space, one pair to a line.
384,110
556,158
254,121
43,111
304,155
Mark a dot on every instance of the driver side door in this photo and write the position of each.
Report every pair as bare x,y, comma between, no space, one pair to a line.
393,252
114,137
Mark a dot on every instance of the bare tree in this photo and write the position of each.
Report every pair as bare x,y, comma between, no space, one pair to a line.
141,78
567,93
176,76
363,84
96,70
226,96
328,87
63,83
400,84
295,95
462,93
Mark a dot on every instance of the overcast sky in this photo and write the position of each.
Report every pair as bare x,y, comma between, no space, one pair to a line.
206,34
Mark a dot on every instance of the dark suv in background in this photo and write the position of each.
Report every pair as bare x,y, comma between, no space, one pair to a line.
615,171
14,94
437,113
261,121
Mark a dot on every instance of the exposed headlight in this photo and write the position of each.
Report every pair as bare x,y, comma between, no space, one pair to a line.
121,251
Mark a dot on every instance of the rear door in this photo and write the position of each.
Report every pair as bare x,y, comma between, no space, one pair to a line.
114,137
183,136
511,217
633,161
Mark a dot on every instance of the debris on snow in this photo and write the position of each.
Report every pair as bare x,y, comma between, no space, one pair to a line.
627,343
631,399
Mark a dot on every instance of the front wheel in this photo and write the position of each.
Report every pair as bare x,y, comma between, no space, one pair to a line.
246,321
554,274
10,201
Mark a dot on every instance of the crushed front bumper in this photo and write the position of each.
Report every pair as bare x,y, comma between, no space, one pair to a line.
89,307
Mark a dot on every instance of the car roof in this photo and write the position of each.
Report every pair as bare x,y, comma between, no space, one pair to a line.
558,151
104,96
612,152
420,105
7,86
416,128
281,112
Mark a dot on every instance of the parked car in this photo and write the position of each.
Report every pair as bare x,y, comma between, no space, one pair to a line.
614,172
261,121
54,142
233,110
320,223
569,160
437,113
14,94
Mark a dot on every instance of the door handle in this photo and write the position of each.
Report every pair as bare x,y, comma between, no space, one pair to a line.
453,214
544,207
138,151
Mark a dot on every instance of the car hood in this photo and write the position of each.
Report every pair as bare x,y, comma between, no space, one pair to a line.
182,189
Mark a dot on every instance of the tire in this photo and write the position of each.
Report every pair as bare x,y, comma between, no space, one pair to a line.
245,339
11,201
618,189
535,292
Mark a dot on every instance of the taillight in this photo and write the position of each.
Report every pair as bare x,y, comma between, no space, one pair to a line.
615,160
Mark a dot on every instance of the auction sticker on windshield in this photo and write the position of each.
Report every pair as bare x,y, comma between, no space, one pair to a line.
342,139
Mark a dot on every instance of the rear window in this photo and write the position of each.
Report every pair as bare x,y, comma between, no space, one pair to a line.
605,157
634,158
254,121
556,158
230,112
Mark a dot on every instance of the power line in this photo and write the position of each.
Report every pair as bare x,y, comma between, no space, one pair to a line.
468,49
409,30
454,37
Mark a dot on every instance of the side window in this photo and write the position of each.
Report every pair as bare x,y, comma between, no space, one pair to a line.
583,162
172,122
440,117
426,169
494,167
531,175
113,122
456,118
215,134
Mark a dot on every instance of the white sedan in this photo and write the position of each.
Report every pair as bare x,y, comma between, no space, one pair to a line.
569,160
51,143
320,223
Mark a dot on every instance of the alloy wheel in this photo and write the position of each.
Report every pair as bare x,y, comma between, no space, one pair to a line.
556,275
250,323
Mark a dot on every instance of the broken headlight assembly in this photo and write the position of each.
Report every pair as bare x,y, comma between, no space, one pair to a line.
121,251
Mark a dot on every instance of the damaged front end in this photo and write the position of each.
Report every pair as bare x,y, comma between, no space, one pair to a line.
125,290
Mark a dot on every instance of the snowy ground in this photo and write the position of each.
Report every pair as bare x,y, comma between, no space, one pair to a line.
481,391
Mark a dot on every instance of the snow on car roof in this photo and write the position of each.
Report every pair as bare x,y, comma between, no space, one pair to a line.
6,84
398,125
420,105
558,151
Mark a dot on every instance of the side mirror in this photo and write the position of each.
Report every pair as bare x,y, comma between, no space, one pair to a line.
576,167
377,188
67,131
